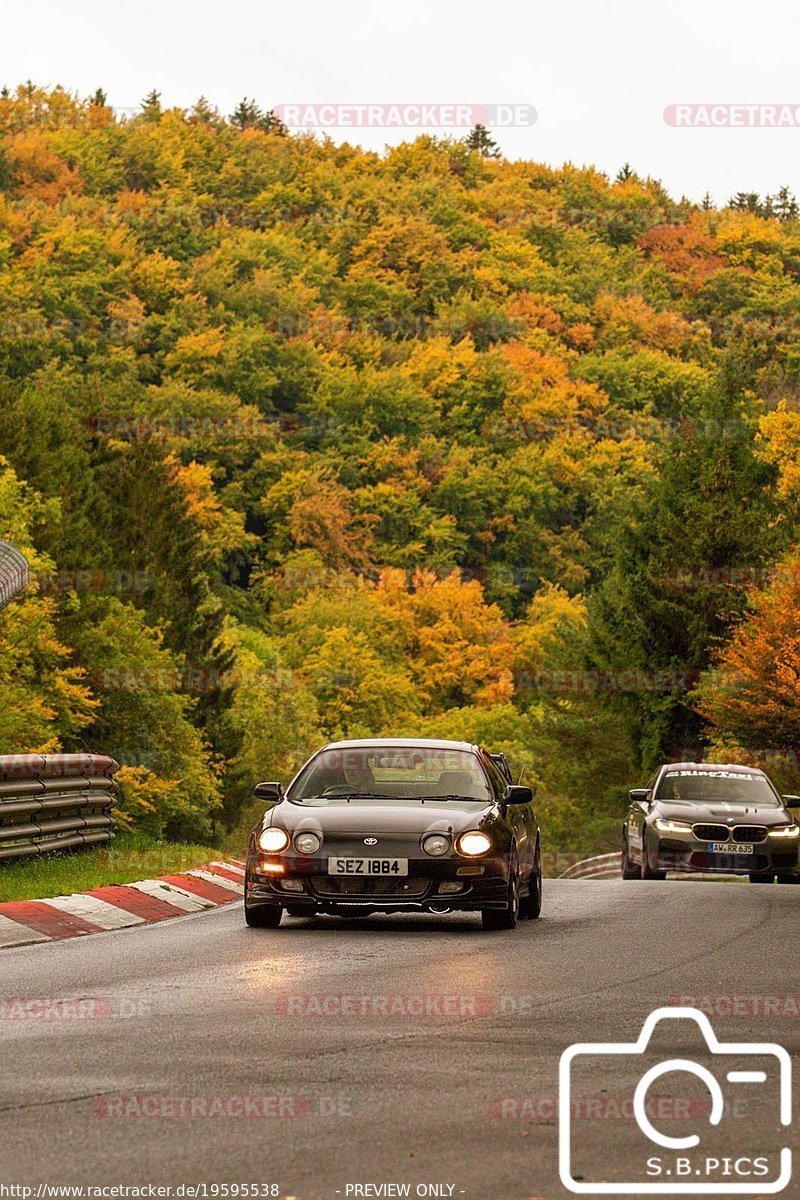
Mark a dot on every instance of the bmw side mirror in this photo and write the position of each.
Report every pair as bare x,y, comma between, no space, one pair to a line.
517,793
639,795
791,801
271,792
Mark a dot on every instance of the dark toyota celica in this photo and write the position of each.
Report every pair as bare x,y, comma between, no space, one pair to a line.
396,825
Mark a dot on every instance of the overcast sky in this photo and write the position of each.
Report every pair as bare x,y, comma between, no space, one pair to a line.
599,72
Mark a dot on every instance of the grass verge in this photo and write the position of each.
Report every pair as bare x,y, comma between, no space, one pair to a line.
130,857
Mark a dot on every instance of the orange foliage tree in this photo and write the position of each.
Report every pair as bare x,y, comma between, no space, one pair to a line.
752,695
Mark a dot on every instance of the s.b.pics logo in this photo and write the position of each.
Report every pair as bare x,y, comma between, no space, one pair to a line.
694,1122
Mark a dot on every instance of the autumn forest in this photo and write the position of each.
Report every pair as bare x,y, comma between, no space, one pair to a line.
305,442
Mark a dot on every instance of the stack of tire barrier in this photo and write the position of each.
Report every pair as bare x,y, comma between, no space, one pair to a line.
55,802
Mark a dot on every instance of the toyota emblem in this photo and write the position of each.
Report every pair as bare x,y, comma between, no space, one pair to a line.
370,841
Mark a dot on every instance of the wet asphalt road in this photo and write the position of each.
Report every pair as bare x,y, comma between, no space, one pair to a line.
418,1051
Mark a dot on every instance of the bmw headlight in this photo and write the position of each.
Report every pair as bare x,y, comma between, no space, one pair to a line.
667,825
436,844
473,843
307,843
273,840
785,831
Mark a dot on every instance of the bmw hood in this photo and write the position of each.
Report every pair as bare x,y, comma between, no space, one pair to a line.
717,813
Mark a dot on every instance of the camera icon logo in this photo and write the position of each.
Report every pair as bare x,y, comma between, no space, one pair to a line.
664,1162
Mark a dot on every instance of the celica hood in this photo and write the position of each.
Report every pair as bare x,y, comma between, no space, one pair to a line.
387,817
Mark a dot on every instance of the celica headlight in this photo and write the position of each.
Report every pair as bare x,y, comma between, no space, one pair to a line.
436,844
667,825
473,843
785,831
273,840
307,843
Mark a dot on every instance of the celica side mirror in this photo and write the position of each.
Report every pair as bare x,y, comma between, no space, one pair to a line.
517,793
271,792
791,801
639,795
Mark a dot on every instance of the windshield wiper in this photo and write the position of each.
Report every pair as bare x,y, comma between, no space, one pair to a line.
461,796
348,796
447,796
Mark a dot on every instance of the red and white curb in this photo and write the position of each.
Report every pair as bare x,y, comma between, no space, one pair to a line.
117,906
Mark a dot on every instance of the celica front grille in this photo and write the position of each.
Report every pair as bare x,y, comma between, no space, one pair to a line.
326,885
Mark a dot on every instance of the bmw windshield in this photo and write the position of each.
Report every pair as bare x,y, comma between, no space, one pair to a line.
717,787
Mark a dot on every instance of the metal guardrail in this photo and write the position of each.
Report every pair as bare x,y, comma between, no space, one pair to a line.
14,573
55,802
599,866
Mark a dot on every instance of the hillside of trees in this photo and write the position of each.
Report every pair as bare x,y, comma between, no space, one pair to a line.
305,442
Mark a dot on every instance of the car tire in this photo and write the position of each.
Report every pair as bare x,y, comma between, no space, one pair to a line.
647,871
794,878
630,870
261,916
530,907
765,877
505,918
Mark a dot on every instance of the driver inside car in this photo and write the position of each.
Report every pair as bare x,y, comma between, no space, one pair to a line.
360,778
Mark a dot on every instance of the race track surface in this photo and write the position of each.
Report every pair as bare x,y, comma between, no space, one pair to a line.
443,1068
